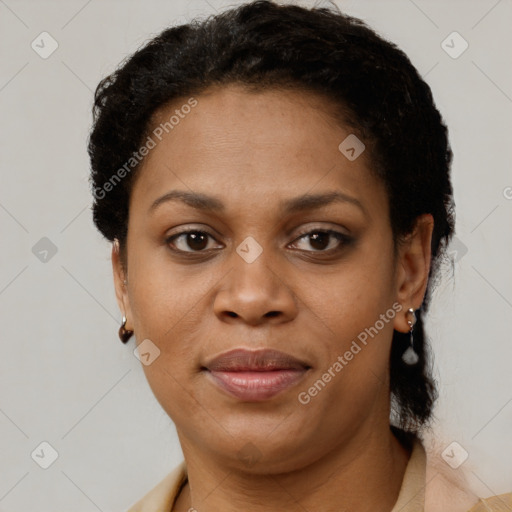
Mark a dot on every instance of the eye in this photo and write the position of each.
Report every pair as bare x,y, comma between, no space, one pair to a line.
324,240
190,241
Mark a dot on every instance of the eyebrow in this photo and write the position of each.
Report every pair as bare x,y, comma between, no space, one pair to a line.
294,205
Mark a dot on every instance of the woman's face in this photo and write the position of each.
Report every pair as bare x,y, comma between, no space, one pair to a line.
262,272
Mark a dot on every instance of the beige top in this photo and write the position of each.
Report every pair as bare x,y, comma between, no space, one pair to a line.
410,499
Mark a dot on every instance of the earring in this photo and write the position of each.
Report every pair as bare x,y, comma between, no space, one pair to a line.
410,357
124,334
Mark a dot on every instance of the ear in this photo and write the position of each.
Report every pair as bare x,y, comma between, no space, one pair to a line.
413,267
119,284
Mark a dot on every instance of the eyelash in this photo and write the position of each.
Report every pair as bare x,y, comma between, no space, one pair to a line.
342,238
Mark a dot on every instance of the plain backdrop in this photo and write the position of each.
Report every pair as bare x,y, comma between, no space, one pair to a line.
66,379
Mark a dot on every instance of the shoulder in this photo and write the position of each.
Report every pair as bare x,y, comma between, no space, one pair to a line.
163,495
447,489
501,503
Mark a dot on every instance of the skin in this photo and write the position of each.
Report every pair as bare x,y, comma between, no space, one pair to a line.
253,151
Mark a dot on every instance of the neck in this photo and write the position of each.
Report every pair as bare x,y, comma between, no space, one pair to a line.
364,475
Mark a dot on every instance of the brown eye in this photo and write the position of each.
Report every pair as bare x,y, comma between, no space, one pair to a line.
190,241
320,240
324,240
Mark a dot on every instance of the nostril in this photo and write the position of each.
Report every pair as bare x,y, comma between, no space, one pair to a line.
272,313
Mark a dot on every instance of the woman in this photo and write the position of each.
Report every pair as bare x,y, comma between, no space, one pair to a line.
275,182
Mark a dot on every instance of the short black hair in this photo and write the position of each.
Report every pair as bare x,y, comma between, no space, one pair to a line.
263,45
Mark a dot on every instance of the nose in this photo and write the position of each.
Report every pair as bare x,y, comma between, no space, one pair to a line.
254,293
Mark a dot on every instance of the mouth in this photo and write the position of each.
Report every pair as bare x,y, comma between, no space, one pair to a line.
255,375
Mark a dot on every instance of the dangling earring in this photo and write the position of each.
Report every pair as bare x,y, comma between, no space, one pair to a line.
124,334
410,357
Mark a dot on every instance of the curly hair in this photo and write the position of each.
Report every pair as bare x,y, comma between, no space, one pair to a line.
261,45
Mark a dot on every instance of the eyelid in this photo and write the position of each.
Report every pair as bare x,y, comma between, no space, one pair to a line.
315,228
193,228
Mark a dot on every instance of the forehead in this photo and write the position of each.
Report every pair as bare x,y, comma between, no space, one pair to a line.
242,144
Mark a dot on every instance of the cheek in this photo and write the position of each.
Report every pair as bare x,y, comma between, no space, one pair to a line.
357,304
362,288
168,309
165,297
171,307
175,391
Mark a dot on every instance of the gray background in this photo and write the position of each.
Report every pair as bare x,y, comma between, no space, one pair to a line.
64,376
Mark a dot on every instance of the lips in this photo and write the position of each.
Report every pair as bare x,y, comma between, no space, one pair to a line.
255,375
263,360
